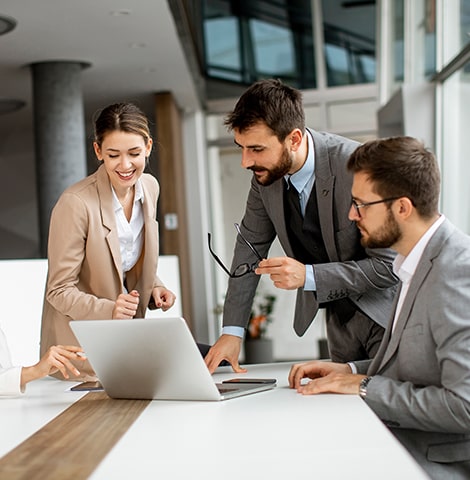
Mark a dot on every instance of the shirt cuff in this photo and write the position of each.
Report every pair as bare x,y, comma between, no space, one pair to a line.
236,331
352,367
10,382
310,284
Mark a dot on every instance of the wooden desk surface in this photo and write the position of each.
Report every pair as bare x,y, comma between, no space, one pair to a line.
73,443
273,434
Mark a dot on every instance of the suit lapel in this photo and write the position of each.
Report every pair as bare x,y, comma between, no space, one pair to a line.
146,271
378,359
324,191
324,186
391,342
402,320
108,217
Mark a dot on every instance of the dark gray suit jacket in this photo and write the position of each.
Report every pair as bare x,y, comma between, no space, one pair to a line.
365,277
421,374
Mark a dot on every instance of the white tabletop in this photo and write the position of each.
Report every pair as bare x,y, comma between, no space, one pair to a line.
20,417
273,434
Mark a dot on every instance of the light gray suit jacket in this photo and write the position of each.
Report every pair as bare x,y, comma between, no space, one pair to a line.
421,374
365,277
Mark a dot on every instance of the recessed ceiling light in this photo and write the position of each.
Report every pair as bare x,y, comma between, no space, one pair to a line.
7,24
120,13
137,45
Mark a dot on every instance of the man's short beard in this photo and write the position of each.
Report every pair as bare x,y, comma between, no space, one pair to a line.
386,236
280,170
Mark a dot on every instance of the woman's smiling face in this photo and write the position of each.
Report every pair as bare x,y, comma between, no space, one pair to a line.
124,156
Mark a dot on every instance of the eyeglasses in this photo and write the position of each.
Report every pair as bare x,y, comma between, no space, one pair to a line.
358,206
242,269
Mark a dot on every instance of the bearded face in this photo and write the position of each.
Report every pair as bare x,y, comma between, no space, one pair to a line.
385,236
266,176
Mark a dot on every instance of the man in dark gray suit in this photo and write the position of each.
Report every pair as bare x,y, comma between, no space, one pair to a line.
419,381
300,192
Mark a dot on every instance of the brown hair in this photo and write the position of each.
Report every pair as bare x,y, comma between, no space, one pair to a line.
271,102
400,167
125,117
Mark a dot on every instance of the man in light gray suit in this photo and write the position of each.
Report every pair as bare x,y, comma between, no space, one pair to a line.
301,192
419,381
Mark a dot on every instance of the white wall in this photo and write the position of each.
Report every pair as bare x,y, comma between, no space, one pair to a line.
455,167
22,285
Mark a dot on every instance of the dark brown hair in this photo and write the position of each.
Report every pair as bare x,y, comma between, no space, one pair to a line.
124,117
271,102
400,167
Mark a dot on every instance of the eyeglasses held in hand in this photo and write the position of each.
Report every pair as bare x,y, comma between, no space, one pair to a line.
242,269
358,206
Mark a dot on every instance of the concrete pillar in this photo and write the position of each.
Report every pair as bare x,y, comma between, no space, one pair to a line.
59,130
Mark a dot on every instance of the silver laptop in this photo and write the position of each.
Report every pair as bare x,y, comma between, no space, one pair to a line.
152,358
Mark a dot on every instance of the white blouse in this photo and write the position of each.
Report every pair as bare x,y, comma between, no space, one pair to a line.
130,233
10,376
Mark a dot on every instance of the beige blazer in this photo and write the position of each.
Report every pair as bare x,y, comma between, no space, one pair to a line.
85,272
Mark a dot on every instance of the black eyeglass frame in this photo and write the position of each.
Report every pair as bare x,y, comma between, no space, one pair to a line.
243,268
358,206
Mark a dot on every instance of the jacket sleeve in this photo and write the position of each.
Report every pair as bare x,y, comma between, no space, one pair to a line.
68,236
426,385
355,277
258,229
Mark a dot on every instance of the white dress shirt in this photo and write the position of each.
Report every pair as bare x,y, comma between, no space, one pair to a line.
130,233
10,376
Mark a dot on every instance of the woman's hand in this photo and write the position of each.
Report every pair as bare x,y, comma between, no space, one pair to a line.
163,298
126,305
57,358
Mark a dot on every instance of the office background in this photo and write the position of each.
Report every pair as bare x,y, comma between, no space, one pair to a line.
366,68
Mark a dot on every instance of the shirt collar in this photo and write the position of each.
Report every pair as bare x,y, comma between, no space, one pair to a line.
138,195
405,267
300,178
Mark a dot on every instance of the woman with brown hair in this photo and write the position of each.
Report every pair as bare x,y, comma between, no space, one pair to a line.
103,238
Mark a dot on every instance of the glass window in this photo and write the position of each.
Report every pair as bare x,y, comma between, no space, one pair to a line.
421,37
349,38
223,55
464,22
428,34
273,49
456,34
248,40
398,40
456,148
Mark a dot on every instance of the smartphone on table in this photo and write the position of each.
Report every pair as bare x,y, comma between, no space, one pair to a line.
87,387
251,380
